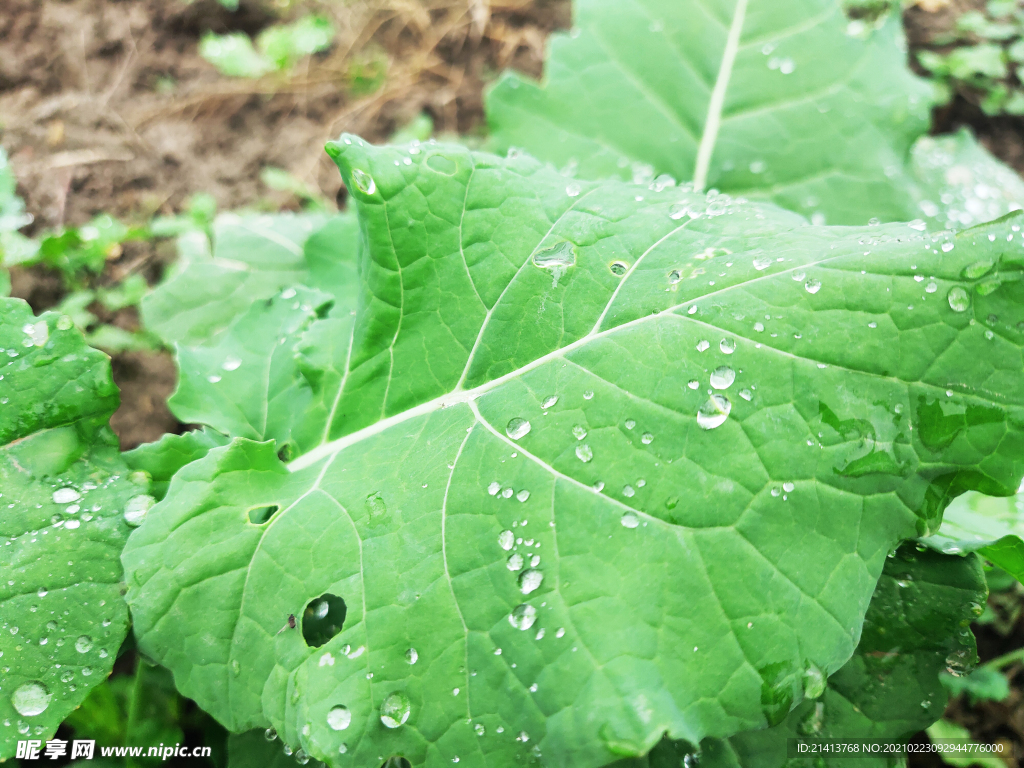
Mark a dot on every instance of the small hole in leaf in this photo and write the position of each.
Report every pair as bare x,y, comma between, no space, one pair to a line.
260,515
396,762
323,619
286,452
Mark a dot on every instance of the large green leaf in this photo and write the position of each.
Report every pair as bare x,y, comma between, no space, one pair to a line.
786,100
916,627
253,258
64,491
615,462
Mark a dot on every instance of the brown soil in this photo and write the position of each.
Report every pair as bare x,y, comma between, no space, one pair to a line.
108,108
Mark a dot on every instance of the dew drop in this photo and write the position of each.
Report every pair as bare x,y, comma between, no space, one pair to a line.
723,377
66,495
628,491
339,718
83,644
549,401
231,364
530,580
762,263
523,616
411,656
514,562
630,423
693,383
812,286
493,488
395,709
517,428
584,452
958,299
556,257
31,698
479,729
703,345
523,495
270,734
136,509
728,346
506,540
573,190
714,412
629,520
579,432
931,288
647,438
364,182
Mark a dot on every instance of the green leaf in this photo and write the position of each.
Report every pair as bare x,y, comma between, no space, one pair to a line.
983,684
248,382
253,257
972,61
285,44
64,490
233,55
914,630
946,729
787,101
520,369
161,459
992,527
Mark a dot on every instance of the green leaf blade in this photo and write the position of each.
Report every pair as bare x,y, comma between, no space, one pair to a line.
698,559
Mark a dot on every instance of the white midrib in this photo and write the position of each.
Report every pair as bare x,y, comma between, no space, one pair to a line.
714,119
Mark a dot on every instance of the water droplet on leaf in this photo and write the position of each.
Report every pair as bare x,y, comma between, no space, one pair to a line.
31,699
395,709
723,377
136,509
714,412
530,580
523,616
339,718
364,182
958,299
517,428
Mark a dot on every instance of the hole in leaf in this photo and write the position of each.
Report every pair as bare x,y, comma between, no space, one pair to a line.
260,515
396,762
323,619
286,452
